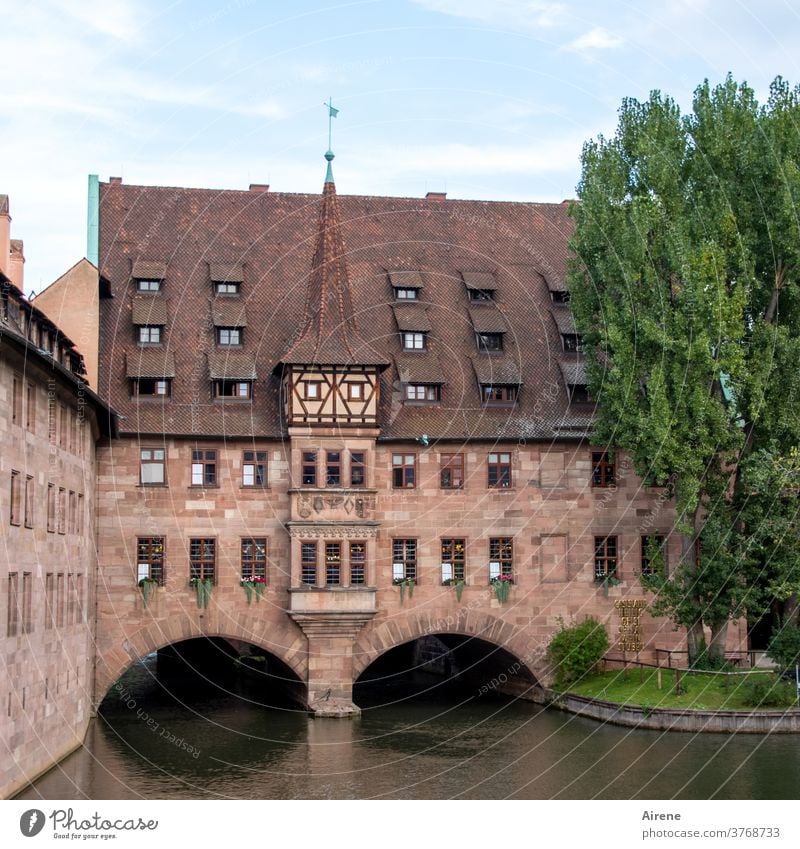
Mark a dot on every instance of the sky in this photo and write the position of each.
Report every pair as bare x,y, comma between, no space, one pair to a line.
483,99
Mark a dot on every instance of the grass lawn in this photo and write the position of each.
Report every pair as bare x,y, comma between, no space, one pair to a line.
703,691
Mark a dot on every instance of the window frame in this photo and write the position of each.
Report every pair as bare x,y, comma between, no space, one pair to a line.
409,293
308,393
499,471
136,387
147,284
432,393
307,564
151,552
407,469
644,541
405,552
490,343
308,464
221,385
226,288
571,343
153,462
146,332
29,504
230,331
606,552
15,504
508,394
253,563
258,461
358,465
501,554
446,466
411,337
204,468
480,296
333,468
360,561
453,551
352,394
604,471
200,561
333,562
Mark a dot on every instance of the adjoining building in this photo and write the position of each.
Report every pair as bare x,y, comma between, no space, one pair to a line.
50,422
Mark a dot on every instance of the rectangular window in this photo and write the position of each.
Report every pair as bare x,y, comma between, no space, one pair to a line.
203,559
254,558
50,601
144,386
51,508
62,430
603,472
149,334
311,390
499,467
309,470
454,559
30,408
204,468
52,429
79,613
229,336
232,389
152,466
226,288
60,600
333,564
578,393
61,510
254,468
414,342
30,492
333,468
12,621
404,560
308,563
148,285
71,605
488,342
571,343
498,396
80,513
358,563
150,559
72,526
27,602
559,296
355,391
358,468
423,392
480,295
654,553
605,557
404,471
501,557
16,498
16,401
451,471
403,294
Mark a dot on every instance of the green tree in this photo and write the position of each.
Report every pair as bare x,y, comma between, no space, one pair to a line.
684,287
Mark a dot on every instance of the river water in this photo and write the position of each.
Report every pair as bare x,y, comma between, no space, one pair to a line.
188,741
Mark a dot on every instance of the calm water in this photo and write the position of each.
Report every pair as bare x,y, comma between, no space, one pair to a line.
217,744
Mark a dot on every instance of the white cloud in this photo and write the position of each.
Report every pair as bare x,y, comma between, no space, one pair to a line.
598,38
531,14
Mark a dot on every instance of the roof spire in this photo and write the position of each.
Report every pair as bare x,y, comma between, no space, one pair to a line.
332,113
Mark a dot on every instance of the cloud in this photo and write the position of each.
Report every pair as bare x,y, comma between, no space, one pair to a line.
531,14
598,38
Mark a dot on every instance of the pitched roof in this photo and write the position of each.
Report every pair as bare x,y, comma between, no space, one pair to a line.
563,319
147,269
231,365
413,368
226,272
149,310
497,371
484,280
228,312
412,318
573,372
275,235
487,319
150,362
405,279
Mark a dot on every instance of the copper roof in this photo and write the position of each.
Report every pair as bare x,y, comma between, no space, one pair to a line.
150,362
412,318
277,237
146,269
231,365
149,310
226,272
487,319
228,312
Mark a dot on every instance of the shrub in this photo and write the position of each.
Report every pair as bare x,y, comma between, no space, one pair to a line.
766,691
784,647
575,650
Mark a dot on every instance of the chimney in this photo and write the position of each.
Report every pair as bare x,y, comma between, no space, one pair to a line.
5,236
115,181
16,263
436,197
259,187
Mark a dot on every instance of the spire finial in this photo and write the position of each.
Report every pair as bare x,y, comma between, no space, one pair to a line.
332,113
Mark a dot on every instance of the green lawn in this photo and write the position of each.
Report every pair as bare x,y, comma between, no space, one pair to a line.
704,691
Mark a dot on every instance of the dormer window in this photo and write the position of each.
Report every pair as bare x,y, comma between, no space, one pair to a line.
415,341
578,393
148,285
499,395
478,296
229,336
146,386
423,393
226,288
149,334
403,294
571,342
240,389
559,296
489,342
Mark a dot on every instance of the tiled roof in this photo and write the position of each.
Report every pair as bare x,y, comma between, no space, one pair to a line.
152,310
150,362
479,280
498,371
487,319
228,312
231,365
412,318
563,319
405,279
227,272
276,236
573,372
417,368
146,269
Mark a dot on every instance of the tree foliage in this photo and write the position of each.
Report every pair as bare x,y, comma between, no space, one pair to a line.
684,285
575,650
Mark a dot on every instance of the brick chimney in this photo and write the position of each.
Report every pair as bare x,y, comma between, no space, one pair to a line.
259,187
436,197
5,236
16,263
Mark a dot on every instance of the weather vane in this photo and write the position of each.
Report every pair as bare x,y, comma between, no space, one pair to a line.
332,113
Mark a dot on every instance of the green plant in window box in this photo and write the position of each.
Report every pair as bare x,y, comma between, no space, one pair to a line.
502,587
405,584
147,585
202,588
606,581
254,585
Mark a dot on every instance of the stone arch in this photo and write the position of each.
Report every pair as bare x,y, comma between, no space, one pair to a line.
381,636
282,640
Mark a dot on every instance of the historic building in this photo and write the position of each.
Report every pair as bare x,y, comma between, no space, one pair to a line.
50,421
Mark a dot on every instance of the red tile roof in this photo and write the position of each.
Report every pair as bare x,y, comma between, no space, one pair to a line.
302,308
